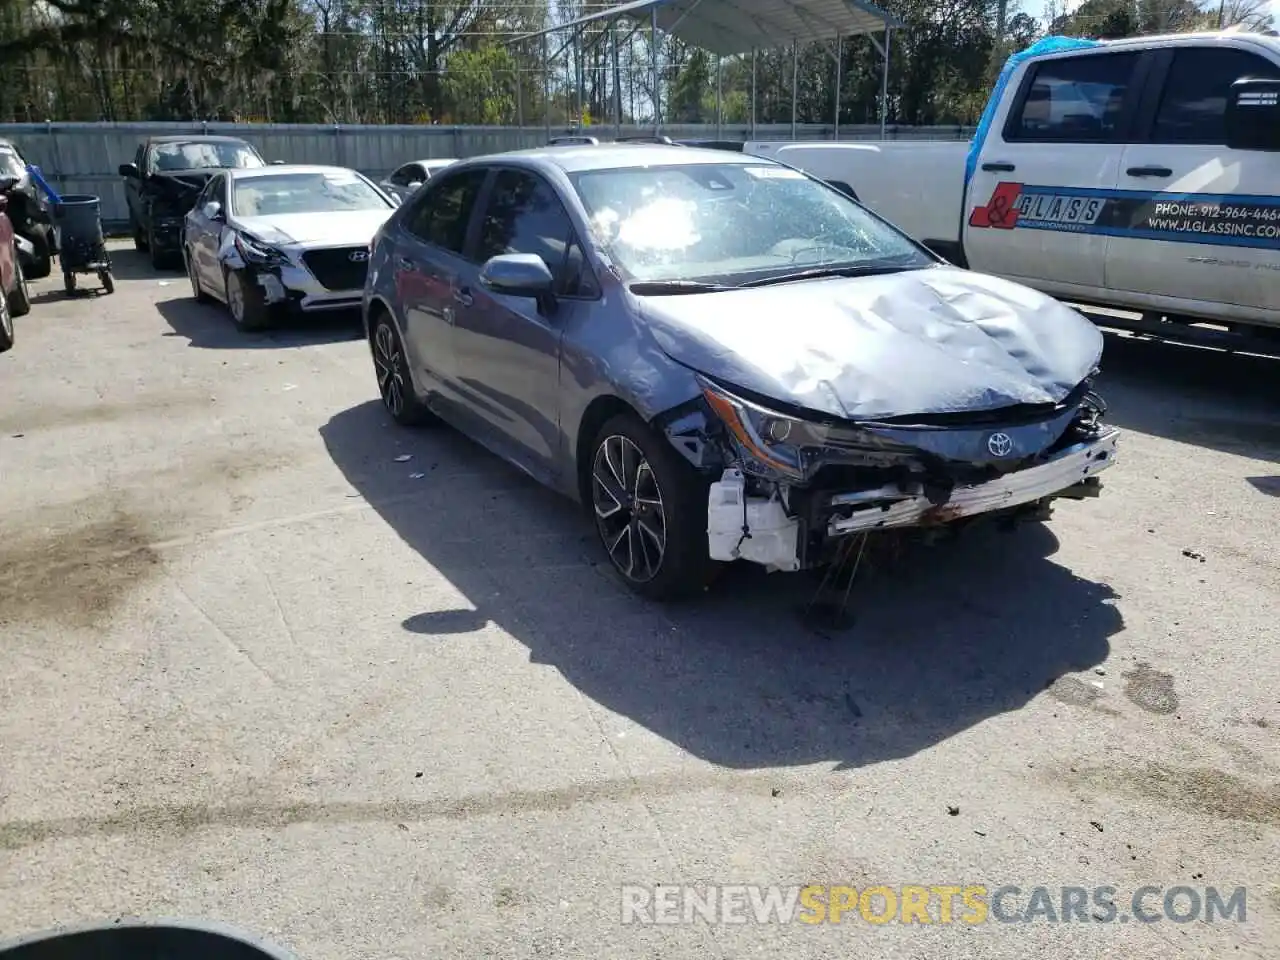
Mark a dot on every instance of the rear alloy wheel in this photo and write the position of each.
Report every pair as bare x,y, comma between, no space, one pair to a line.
650,510
395,385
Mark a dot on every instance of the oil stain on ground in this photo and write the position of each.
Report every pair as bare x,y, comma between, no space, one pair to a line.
74,575
1203,791
1151,689
30,418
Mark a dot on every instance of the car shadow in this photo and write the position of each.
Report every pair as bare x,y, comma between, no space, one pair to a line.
945,638
209,326
1210,398
136,265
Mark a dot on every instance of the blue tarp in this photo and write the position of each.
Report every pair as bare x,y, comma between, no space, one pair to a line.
1046,45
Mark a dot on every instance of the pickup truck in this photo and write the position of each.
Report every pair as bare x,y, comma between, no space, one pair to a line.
1140,175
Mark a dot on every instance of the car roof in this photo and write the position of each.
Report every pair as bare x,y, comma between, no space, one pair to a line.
198,138
577,158
433,161
243,173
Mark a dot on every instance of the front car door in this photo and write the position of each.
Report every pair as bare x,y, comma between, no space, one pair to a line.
1201,222
1050,160
427,258
507,348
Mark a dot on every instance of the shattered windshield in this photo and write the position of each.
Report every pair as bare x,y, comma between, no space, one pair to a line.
732,222
202,155
327,192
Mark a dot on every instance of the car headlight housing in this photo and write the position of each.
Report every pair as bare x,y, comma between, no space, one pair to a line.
252,250
775,440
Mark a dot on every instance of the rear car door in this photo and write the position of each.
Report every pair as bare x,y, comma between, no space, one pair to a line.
1050,160
426,261
1199,222
508,348
204,234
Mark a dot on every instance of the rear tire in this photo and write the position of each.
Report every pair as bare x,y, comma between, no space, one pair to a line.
395,385
20,299
650,511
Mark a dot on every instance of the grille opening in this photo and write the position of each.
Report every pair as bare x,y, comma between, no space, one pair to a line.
334,268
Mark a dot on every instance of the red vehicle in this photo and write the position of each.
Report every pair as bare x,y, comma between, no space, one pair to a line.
14,299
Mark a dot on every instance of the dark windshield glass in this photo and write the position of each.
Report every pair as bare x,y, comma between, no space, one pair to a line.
202,155
721,222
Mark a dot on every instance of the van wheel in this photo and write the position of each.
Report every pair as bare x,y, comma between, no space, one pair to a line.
650,511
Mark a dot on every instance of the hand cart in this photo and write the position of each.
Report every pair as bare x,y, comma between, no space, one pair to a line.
81,246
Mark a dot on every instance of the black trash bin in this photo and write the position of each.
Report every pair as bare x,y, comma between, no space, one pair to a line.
143,940
82,246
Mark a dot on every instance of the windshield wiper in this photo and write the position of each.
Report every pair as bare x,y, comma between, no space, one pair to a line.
660,288
819,273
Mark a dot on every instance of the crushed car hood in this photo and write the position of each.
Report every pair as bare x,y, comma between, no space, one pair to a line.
931,341
352,227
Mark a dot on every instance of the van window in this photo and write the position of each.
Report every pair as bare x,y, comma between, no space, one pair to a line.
1193,104
1074,99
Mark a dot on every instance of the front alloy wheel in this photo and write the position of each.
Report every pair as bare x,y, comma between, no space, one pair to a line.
630,515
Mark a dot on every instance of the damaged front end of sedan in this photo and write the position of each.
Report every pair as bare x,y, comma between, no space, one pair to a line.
794,484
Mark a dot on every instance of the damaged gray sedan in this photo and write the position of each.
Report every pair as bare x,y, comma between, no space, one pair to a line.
725,359
282,239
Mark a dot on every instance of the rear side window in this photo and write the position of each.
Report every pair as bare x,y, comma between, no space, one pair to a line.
1074,99
441,212
1193,104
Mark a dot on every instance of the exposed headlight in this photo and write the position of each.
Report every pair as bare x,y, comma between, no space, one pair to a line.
774,439
253,250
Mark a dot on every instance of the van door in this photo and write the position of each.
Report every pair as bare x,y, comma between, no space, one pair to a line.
1200,222
1050,159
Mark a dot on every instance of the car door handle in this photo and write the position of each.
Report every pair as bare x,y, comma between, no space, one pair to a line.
404,263
1149,172
463,297
999,167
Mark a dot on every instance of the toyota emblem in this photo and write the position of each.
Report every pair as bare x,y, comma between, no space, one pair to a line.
358,256
999,444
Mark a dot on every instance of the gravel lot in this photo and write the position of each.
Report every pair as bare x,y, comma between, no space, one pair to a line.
254,670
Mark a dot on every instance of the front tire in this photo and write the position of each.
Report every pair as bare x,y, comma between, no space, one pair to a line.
395,385
247,305
650,511
42,263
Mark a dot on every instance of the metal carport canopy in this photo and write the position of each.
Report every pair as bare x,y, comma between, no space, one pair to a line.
730,27
734,27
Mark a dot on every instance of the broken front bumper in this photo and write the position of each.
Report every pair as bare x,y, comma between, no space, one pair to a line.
890,507
762,530
294,285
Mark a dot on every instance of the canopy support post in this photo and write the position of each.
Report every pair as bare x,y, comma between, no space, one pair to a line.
795,83
753,93
657,98
839,64
884,83
718,96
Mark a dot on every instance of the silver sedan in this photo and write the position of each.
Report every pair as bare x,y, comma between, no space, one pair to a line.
405,179
283,237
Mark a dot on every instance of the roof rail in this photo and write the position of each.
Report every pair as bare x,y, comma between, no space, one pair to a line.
565,141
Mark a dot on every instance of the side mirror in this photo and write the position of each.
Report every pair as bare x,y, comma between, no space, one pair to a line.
517,275
1253,115
128,170
277,163
8,183
213,210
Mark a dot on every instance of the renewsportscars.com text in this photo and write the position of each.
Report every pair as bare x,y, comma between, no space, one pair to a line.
940,904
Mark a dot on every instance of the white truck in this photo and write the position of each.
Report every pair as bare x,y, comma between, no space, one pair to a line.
1141,175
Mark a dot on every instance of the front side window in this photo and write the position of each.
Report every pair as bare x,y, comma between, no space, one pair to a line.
1075,99
202,155
336,191
1193,105
441,213
524,215
733,222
